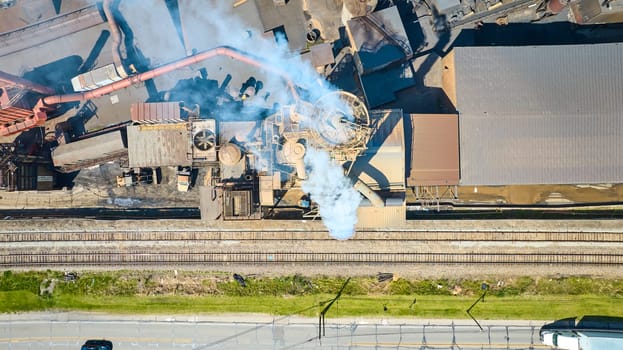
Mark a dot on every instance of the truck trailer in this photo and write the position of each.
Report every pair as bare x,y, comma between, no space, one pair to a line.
582,339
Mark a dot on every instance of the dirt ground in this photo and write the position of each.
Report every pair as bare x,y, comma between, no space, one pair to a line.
203,278
537,194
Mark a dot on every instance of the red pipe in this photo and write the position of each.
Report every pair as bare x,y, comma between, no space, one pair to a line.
115,34
13,80
170,67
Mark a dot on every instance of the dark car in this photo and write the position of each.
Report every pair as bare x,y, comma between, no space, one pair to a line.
97,345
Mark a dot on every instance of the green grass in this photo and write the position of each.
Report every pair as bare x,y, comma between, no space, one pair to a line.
515,307
133,292
16,301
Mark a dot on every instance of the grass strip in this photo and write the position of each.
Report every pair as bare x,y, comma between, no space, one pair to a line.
167,292
514,307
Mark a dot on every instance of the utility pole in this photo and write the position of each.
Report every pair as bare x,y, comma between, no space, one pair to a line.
484,287
321,320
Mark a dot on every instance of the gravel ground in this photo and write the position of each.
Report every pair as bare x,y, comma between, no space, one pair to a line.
407,270
413,271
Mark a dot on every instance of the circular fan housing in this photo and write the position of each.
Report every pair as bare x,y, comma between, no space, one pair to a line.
204,140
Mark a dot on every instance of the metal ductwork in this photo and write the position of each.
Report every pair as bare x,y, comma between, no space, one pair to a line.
115,35
47,103
367,192
170,67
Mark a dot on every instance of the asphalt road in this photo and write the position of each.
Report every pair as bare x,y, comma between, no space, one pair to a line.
69,330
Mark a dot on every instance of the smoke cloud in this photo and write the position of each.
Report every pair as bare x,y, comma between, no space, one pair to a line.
334,193
217,24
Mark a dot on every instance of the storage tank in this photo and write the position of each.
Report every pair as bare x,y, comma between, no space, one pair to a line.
229,154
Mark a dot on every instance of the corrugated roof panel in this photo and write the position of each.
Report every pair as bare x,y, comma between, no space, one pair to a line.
434,150
540,115
159,112
374,217
89,150
159,145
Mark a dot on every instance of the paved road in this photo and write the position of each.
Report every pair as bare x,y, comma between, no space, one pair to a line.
60,331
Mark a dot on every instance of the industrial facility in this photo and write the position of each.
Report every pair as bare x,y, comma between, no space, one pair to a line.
336,112
443,148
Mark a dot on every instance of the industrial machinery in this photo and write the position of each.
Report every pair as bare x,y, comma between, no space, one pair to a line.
262,164
183,179
29,117
203,133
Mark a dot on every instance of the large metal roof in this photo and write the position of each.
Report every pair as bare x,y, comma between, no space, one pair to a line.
539,115
159,145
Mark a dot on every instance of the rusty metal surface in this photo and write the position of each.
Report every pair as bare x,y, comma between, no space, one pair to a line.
159,145
585,11
151,113
434,150
540,115
322,55
11,114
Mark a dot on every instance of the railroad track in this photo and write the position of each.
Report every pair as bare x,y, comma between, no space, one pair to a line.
222,235
217,246
192,258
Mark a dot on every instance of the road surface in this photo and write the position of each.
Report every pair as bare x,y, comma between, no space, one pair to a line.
60,331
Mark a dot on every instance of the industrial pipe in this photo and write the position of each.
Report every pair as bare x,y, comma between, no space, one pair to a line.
13,80
170,67
294,152
115,35
367,192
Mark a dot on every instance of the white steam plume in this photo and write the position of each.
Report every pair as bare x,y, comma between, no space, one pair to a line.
211,23
334,193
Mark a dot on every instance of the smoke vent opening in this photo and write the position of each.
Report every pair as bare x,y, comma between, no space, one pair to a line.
313,35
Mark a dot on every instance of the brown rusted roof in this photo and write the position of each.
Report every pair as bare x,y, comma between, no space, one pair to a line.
161,112
434,150
12,114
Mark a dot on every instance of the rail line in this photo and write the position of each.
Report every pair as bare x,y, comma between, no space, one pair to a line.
268,235
178,258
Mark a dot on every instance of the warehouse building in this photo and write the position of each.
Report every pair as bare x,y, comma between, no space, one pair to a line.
538,115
